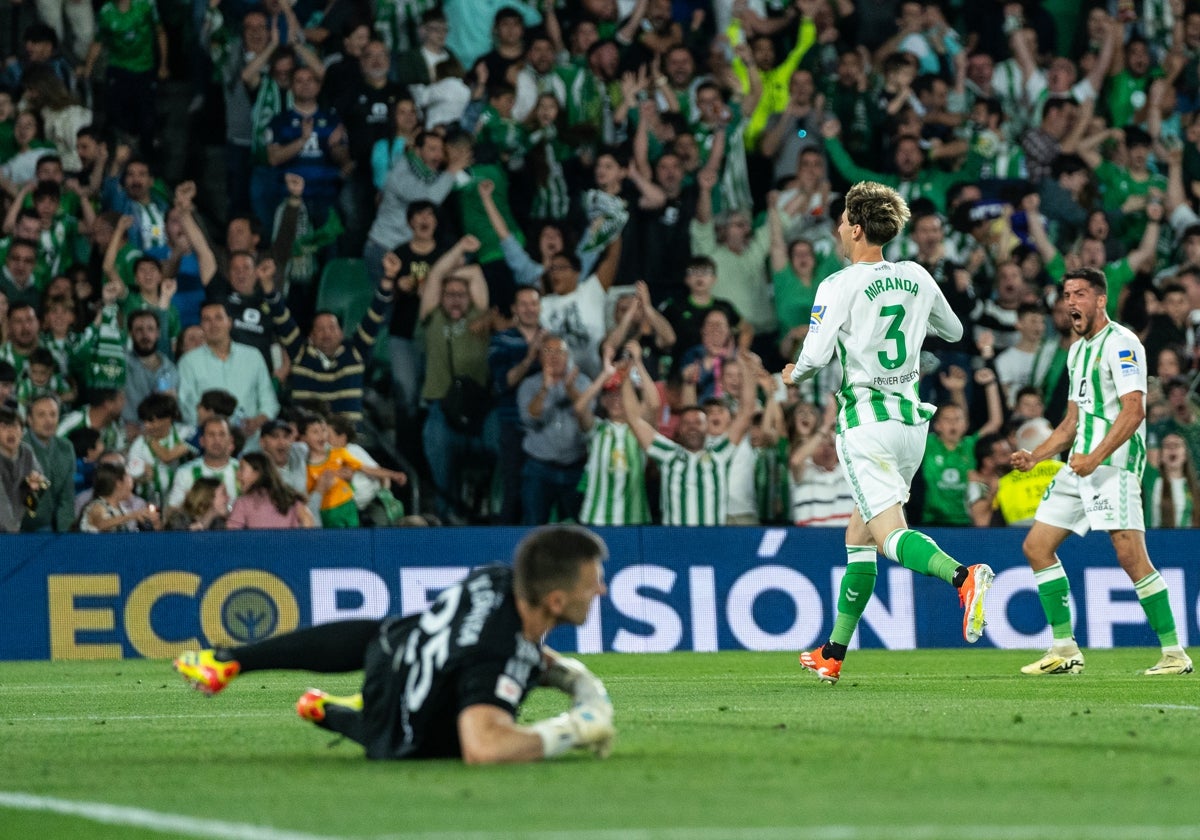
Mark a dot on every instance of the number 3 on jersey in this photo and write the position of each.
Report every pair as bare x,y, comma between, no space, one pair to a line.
895,334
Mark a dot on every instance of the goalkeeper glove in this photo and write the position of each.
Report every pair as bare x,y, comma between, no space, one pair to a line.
573,677
586,725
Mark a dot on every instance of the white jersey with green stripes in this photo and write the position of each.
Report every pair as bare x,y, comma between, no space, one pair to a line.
615,477
1102,370
694,485
875,316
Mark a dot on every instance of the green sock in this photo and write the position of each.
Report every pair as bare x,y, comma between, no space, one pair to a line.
1054,590
857,586
1152,592
913,550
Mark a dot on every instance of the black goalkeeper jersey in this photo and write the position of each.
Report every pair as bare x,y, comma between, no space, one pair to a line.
422,670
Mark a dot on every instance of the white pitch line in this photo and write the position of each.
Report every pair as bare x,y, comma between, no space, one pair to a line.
102,716
104,812
1169,706
219,830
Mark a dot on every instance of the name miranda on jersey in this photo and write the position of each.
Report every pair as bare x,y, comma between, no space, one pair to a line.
888,284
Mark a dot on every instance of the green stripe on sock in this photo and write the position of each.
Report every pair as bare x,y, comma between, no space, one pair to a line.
1155,600
922,555
857,585
1054,592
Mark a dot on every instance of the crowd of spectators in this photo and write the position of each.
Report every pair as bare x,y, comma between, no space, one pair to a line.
587,235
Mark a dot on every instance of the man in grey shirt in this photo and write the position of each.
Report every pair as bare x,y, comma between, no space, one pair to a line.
555,445
20,472
416,176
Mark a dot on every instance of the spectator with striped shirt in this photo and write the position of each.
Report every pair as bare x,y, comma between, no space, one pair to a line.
695,470
327,366
615,475
820,496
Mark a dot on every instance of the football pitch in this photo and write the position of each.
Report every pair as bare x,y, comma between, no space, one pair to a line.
911,745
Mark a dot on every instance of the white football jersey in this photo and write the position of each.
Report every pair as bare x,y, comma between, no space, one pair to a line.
875,317
1103,369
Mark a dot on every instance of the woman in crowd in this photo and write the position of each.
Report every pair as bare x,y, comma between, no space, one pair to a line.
1171,493
265,501
103,514
31,146
703,364
62,116
204,508
406,124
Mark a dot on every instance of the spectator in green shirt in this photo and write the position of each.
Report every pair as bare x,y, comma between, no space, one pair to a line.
950,452
1130,188
130,32
1128,91
911,178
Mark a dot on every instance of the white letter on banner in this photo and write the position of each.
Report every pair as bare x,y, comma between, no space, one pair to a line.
703,591
624,593
325,584
420,585
739,609
895,627
1103,611
1000,632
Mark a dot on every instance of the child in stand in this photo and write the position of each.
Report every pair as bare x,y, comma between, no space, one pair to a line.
60,228
154,290
59,336
329,471
88,447
214,402
343,436
41,377
160,449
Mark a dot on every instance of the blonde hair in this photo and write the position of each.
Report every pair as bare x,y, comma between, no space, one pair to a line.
880,210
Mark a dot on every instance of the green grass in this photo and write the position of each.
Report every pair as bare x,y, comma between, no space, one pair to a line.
921,744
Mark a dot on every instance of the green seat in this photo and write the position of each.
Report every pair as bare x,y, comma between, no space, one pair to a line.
346,291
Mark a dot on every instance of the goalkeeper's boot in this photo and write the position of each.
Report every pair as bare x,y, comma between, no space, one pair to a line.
1060,659
970,595
313,704
204,672
1171,663
827,668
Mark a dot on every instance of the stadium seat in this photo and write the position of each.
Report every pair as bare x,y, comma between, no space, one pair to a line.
345,290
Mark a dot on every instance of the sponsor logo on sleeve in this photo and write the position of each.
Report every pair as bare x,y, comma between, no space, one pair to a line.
508,689
1128,361
818,314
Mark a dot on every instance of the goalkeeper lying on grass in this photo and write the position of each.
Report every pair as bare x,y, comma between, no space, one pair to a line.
449,682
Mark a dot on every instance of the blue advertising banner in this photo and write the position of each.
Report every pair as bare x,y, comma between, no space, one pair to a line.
81,596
